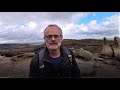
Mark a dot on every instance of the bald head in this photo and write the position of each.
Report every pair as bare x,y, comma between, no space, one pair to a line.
53,26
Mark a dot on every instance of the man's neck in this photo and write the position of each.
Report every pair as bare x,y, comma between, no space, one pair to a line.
54,54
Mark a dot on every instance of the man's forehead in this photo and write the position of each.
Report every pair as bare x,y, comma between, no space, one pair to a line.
53,29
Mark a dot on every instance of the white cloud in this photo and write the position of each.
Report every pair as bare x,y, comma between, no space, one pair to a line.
0,23
29,26
83,27
32,25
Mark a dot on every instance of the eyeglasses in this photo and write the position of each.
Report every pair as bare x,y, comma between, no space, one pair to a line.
55,36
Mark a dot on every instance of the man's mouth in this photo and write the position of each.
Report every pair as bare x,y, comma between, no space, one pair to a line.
53,44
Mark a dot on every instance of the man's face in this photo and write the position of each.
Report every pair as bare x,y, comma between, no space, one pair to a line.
53,38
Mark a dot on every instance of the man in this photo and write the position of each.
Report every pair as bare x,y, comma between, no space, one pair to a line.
55,60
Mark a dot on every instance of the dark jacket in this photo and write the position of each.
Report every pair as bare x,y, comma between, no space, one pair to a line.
67,70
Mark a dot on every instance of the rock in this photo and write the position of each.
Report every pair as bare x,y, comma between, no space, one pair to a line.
22,57
116,47
86,68
106,49
99,59
86,55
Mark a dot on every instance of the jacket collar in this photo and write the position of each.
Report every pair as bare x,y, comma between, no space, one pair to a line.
63,54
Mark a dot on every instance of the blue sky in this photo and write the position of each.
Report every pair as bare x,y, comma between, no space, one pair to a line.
98,16
19,25
28,27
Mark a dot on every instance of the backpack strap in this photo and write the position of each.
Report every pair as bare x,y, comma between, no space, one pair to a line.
68,54
41,62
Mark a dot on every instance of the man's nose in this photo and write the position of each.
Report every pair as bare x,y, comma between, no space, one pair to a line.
53,38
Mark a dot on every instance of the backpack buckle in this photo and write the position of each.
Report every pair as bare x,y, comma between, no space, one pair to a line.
42,66
69,56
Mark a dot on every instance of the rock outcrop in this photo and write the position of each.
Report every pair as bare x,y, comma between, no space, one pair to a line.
106,49
116,47
86,55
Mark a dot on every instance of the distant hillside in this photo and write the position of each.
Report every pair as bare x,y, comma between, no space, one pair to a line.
89,42
13,46
93,45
